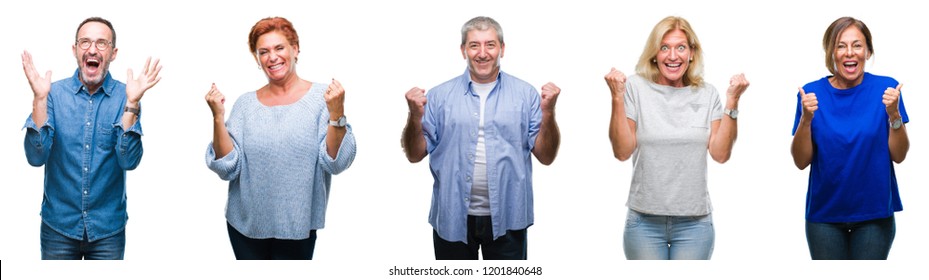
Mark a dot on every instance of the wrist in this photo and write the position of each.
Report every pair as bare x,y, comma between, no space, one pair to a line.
334,116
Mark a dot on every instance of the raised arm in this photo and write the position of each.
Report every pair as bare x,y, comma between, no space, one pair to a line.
335,102
136,87
222,142
724,133
802,147
622,129
549,138
897,141
38,140
413,141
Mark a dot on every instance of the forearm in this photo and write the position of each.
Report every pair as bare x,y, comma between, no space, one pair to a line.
622,138
412,140
802,146
334,136
222,142
129,118
724,140
899,144
548,140
39,111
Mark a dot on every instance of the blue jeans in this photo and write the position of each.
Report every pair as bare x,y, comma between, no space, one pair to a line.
656,237
511,246
867,240
56,246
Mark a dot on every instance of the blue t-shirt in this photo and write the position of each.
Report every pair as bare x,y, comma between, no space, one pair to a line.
851,176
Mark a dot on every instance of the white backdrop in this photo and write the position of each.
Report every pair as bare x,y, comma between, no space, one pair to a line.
378,208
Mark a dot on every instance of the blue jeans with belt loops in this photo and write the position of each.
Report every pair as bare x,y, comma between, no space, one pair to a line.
658,237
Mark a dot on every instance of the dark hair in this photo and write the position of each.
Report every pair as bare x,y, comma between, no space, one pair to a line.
100,20
832,34
270,24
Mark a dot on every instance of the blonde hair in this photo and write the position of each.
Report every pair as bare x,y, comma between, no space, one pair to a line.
648,67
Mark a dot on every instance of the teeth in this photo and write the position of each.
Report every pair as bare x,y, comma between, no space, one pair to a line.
851,63
674,65
275,67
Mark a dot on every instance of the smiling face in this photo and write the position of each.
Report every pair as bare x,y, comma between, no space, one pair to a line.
483,51
276,56
92,61
673,58
851,52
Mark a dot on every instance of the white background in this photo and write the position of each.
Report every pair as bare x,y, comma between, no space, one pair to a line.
378,207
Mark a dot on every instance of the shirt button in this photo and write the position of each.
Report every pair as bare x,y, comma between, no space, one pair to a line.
475,114
468,179
470,156
91,102
88,123
85,213
85,169
85,192
86,146
466,199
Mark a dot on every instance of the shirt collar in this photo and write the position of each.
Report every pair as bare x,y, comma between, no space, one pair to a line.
109,84
466,79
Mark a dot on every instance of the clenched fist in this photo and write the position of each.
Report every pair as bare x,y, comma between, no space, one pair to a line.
335,100
616,80
215,100
892,100
809,103
416,100
737,86
549,96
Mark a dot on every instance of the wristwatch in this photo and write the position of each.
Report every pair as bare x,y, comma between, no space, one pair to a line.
339,123
896,123
732,113
135,111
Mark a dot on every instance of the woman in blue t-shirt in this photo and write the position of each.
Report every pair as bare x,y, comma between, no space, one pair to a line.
849,128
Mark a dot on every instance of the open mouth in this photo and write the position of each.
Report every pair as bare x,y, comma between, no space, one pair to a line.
673,66
850,66
276,67
92,63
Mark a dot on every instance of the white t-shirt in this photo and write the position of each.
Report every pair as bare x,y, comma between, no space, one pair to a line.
670,160
480,198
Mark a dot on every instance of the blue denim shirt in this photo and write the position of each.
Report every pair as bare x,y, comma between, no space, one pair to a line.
86,153
512,119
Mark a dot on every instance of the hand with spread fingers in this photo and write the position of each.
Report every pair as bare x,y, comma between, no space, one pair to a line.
40,85
136,86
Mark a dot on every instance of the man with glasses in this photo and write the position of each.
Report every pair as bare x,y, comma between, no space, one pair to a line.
86,131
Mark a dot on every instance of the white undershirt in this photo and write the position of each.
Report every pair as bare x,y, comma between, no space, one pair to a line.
480,197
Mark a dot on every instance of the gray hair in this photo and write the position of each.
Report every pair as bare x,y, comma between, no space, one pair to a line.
481,23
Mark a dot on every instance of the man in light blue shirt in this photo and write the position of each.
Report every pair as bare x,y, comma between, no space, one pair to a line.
85,130
480,129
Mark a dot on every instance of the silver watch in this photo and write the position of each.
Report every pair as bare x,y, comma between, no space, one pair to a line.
339,123
732,113
896,123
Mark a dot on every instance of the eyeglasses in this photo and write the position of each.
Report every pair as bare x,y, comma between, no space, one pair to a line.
85,43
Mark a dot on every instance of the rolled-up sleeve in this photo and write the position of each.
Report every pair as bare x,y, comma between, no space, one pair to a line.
227,167
38,141
129,145
343,158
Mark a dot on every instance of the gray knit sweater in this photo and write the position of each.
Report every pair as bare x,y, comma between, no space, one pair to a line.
279,172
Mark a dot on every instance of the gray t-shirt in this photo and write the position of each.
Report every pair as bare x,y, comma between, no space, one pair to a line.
672,133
